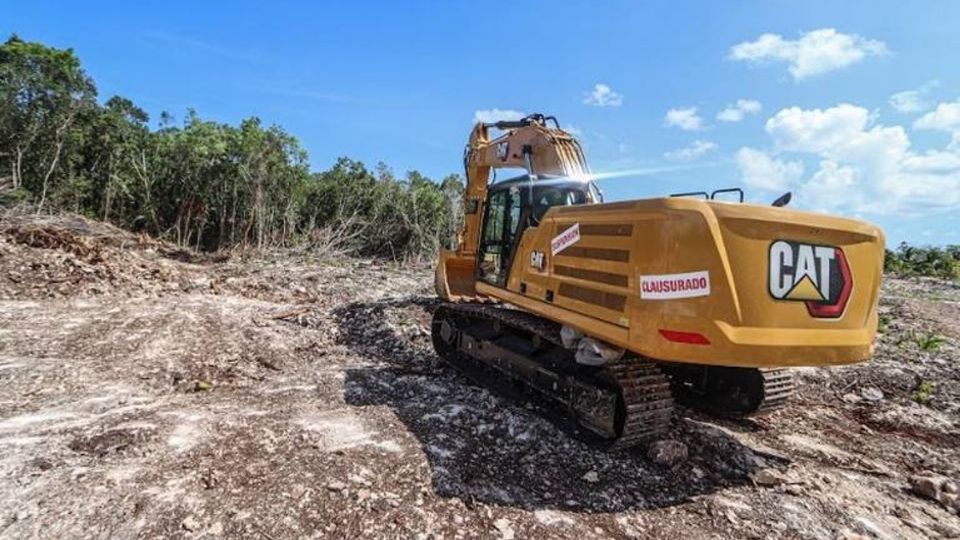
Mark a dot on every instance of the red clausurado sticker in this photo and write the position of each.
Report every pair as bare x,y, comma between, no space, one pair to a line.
672,286
565,239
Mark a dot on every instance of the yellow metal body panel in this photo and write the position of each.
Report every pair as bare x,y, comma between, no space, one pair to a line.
594,283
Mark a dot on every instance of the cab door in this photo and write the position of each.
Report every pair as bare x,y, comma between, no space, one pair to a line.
501,224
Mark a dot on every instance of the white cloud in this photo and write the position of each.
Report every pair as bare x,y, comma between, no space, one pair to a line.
602,96
685,119
814,53
830,184
730,114
495,115
736,112
692,151
750,106
761,171
932,162
842,134
908,101
913,101
946,117
573,130
866,168
921,185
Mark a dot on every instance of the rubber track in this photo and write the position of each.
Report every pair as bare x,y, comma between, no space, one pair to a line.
643,387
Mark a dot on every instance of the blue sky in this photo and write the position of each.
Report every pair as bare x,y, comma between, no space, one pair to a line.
854,106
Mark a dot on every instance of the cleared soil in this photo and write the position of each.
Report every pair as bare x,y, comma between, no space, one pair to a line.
149,392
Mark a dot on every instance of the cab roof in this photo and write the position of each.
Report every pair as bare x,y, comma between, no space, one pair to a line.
545,181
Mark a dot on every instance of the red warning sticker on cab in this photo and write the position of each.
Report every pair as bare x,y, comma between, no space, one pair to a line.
565,239
671,286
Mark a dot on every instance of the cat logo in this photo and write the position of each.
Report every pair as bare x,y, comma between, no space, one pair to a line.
816,275
503,151
537,260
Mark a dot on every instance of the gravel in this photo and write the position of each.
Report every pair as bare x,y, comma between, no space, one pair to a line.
152,392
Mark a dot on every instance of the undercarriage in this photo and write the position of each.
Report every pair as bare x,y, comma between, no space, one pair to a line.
730,392
620,404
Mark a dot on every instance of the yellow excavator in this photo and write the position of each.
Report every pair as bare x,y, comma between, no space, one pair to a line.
613,312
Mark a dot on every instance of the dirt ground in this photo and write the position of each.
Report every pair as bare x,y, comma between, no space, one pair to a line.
150,392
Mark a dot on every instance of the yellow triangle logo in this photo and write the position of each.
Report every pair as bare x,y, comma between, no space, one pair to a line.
805,290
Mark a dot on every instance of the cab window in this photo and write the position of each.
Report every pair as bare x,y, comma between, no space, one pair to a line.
500,228
546,197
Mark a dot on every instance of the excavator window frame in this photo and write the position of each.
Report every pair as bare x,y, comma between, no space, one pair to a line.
507,240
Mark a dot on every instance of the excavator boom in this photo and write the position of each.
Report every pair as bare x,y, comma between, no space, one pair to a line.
529,143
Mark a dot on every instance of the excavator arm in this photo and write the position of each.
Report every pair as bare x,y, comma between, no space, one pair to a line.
529,143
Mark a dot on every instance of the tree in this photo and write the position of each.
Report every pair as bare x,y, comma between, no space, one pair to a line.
42,92
113,137
453,187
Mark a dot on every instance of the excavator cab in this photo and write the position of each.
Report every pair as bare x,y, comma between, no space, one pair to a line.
513,206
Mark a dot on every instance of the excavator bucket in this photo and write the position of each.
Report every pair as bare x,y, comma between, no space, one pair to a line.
455,276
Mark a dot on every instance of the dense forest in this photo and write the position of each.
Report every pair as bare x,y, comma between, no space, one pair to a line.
201,184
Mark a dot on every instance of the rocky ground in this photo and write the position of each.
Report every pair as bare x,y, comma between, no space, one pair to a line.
152,392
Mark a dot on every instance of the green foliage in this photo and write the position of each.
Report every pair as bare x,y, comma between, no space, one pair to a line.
924,392
924,261
883,322
381,215
43,93
13,197
930,342
202,184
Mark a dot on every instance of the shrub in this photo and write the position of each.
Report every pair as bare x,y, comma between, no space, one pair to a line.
924,392
924,261
930,342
